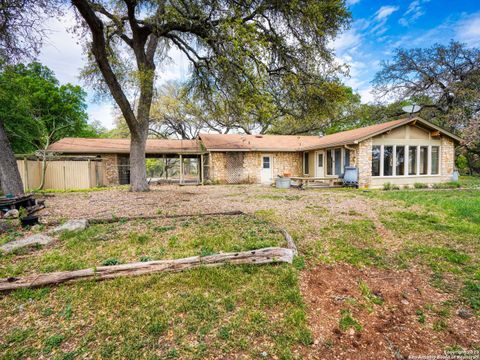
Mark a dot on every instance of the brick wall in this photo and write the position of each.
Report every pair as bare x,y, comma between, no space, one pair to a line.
220,170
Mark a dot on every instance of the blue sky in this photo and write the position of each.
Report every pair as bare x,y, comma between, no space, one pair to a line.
378,27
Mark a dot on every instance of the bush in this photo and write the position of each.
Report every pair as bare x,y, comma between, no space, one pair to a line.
388,186
418,185
447,185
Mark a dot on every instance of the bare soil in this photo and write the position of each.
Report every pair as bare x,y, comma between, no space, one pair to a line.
392,330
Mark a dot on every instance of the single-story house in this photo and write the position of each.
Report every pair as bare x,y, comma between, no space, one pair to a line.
401,152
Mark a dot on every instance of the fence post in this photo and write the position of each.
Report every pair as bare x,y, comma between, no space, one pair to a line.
64,176
26,184
89,174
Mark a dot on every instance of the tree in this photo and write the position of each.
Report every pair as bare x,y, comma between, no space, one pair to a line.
37,110
21,36
238,49
445,80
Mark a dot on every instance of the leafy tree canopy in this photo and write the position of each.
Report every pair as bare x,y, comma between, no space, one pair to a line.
36,109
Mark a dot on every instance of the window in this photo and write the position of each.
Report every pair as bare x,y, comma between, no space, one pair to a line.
338,161
347,158
435,160
387,160
412,160
329,163
423,157
305,163
400,161
266,162
376,160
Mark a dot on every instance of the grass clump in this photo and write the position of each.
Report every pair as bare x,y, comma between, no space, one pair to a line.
347,321
389,186
419,185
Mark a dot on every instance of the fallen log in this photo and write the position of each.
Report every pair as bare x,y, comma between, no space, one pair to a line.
153,217
260,256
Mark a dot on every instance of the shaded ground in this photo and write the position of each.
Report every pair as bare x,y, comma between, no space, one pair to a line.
379,275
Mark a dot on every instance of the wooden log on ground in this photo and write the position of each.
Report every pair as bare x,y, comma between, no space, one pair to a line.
260,256
152,217
290,242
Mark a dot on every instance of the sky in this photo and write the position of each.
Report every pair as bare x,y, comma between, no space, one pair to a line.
378,28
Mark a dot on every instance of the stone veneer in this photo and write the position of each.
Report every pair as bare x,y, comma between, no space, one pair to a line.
283,162
363,161
110,169
447,156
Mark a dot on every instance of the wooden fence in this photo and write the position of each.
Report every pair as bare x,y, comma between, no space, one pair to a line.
62,174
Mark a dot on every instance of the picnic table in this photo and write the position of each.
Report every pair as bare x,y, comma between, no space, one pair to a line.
309,181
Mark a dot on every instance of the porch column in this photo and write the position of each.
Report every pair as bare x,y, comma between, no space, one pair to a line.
181,169
201,169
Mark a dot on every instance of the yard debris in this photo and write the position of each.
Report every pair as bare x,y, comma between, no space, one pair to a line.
260,256
71,225
28,241
11,214
465,313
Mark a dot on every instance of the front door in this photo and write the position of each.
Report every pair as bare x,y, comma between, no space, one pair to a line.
266,172
320,164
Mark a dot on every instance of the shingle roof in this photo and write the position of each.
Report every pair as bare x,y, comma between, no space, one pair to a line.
241,142
122,146
237,142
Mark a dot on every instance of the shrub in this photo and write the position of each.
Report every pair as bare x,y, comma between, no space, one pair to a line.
447,185
418,185
389,186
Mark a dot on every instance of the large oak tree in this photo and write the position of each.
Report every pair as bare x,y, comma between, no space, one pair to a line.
252,51
445,80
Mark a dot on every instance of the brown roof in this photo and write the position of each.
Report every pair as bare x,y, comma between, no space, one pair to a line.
122,146
243,142
238,142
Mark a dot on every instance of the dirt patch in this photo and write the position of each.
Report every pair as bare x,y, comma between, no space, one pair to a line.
392,314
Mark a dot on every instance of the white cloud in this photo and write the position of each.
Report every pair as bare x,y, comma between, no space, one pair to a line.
104,113
352,2
414,11
468,30
347,40
385,12
380,19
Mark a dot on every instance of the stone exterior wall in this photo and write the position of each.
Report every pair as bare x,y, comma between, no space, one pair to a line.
221,167
110,172
363,161
447,157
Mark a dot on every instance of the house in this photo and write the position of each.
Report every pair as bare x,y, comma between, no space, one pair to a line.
401,152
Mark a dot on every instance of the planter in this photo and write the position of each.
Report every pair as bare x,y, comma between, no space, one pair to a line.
282,183
29,220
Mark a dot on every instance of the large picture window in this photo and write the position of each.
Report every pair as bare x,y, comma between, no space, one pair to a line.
412,160
376,150
387,160
400,160
435,160
423,160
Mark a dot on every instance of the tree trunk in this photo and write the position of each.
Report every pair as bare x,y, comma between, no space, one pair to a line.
9,175
138,169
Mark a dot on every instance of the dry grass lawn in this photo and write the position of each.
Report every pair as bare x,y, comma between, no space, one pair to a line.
380,274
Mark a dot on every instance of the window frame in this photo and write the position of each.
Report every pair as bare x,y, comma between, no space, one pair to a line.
407,148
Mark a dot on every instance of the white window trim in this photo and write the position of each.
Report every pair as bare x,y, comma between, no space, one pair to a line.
407,161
